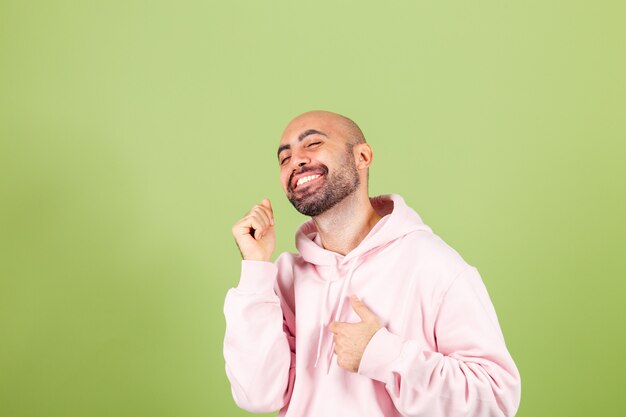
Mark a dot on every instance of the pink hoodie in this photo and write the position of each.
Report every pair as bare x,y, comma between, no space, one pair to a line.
440,353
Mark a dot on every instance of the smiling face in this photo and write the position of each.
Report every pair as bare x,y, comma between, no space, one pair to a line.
317,162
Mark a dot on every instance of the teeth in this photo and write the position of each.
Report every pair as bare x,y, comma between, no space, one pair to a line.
306,179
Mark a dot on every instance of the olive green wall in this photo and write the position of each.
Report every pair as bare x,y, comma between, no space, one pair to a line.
133,134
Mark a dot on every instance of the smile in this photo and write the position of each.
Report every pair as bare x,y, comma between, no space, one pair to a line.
306,179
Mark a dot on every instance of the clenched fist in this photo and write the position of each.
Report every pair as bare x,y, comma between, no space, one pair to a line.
254,233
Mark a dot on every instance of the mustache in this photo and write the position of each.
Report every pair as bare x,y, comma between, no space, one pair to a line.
304,170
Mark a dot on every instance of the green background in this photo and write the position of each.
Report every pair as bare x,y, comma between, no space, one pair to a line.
133,134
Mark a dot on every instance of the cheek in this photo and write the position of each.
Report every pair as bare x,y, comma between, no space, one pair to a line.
284,177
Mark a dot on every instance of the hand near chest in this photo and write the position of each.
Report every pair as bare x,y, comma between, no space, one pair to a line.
351,339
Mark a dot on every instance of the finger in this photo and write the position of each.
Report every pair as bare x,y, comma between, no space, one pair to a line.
339,342
243,226
262,212
260,227
361,310
253,222
267,205
335,327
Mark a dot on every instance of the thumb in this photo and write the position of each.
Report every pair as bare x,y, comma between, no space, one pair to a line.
361,310
266,203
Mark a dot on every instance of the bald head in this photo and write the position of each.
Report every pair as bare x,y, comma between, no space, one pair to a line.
329,121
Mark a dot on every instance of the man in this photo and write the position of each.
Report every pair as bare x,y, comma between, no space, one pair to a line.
374,316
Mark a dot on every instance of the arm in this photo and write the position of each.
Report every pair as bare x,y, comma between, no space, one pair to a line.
471,372
259,348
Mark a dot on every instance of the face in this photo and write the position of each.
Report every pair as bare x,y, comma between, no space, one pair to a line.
317,166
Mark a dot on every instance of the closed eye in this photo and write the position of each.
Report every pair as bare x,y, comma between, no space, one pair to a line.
313,144
285,159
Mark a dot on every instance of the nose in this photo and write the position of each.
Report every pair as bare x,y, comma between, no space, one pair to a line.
299,159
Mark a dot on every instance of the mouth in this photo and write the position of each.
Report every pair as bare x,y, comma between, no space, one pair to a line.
307,180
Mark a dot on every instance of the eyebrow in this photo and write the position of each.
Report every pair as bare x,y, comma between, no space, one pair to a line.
301,137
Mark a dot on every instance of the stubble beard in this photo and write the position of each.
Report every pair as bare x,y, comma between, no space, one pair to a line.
338,185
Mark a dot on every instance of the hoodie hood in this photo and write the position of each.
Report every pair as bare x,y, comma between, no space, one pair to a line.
397,221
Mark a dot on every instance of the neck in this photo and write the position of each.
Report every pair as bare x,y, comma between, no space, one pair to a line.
344,226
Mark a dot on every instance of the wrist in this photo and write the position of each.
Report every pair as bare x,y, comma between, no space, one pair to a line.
256,258
257,276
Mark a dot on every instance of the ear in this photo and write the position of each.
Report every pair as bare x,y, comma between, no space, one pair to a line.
363,155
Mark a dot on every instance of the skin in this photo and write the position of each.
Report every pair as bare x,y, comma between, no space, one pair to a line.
312,140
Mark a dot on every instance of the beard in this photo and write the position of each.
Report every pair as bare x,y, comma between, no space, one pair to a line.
338,185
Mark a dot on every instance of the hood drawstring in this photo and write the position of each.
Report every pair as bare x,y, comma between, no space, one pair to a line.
342,298
322,320
323,324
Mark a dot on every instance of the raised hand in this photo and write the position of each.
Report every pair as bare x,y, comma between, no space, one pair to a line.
254,233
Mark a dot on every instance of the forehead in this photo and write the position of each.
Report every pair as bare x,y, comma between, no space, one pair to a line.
302,124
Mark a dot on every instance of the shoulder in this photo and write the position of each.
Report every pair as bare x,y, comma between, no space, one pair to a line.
286,261
435,258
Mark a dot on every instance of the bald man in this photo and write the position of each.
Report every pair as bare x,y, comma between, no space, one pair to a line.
375,315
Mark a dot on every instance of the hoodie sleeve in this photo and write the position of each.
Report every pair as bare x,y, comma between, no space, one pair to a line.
259,348
471,372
